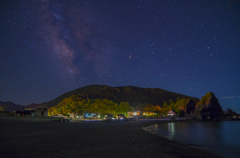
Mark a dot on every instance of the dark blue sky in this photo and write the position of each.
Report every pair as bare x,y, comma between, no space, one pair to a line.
184,46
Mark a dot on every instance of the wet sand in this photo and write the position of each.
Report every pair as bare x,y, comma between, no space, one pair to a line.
88,139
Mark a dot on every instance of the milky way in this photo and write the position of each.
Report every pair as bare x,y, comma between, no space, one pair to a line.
77,40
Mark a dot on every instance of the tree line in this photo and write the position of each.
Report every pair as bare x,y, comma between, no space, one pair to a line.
76,104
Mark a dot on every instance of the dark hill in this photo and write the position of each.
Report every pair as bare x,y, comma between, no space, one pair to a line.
133,95
9,106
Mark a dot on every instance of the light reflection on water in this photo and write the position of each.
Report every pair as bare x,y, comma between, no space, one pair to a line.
222,138
171,130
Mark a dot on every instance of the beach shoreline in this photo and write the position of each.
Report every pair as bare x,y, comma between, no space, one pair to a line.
89,139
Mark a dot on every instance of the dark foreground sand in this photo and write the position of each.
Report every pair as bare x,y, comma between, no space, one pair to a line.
88,139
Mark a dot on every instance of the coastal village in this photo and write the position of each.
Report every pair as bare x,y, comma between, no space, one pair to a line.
43,112
133,115
80,107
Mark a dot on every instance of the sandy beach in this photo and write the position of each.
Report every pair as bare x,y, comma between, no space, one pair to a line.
88,139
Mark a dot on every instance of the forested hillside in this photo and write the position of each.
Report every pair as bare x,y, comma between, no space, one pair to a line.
135,96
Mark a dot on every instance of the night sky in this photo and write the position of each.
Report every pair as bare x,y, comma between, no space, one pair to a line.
185,46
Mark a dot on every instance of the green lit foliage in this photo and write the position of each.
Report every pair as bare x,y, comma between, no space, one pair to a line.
2,109
152,108
179,106
75,104
201,104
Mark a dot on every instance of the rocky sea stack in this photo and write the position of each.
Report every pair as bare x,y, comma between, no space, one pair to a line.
208,108
190,106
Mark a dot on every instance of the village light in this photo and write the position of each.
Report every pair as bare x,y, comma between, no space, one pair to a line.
134,113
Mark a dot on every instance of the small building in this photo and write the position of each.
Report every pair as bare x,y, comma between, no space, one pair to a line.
41,112
54,116
121,117
236,117
142,114
22,113
149,113
134,114
76,116
172,113
63,116
28,109
5,113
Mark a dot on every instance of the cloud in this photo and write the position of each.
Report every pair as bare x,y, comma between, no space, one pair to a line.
228,97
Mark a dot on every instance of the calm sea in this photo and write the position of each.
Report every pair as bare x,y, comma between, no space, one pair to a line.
222,138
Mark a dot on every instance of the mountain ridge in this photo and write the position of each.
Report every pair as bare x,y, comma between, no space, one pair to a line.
10,106
131,94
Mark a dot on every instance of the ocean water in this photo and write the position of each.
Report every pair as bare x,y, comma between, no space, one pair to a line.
221,138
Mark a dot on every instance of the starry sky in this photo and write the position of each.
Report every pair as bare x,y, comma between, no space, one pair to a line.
185,46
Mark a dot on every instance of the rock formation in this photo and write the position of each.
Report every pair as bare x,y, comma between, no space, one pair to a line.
208,108
190,106
229,112
186,107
